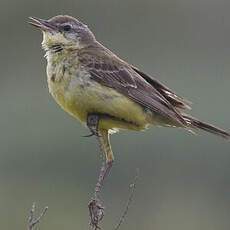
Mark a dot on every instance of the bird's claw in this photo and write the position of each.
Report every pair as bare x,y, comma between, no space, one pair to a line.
92,123
93,133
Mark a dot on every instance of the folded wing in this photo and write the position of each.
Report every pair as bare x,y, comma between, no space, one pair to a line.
114,73
171,96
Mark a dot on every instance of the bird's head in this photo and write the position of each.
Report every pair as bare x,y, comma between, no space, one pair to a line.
63,32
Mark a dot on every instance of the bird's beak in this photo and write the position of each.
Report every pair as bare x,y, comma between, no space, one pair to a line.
42,24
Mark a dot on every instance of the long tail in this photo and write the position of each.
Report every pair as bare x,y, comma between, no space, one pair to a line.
207,127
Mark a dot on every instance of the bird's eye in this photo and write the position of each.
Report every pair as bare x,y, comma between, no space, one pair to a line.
67,28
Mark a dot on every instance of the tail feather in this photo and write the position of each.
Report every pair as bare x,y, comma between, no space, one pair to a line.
194,123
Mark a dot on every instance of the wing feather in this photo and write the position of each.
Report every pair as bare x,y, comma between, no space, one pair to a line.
112,72
172,97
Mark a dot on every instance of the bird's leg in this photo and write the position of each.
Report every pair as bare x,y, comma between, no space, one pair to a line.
95,206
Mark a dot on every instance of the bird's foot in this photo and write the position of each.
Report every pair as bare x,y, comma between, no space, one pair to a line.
97,212
92,123
92,133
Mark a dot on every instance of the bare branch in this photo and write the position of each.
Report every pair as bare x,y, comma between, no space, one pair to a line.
32,220
95,208
129,201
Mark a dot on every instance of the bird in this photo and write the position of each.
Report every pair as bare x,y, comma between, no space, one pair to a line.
106,93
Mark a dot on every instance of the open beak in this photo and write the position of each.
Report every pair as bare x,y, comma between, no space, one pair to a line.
42,24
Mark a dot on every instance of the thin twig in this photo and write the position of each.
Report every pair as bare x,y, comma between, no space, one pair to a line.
129,201
32,220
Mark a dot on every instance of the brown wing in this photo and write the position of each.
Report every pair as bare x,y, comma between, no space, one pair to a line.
172,97
114,73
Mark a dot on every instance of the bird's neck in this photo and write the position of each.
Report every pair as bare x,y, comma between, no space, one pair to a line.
58,52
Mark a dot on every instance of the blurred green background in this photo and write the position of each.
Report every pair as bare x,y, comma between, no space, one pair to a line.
184,179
